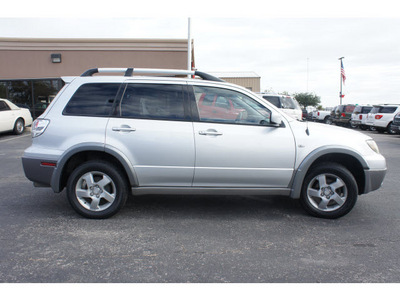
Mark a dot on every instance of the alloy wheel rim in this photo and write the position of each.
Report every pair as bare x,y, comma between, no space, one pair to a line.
20,126
95,191
327,192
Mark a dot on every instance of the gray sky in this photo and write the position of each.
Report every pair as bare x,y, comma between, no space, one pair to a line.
280,47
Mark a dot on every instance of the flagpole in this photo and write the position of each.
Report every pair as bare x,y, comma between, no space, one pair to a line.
341,80
189,47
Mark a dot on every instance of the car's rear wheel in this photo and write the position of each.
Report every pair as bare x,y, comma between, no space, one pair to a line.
390,129
329,191
328,121
363,127
97,190
19,126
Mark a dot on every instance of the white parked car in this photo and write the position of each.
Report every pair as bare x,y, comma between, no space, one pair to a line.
322,115
287,104
13,118
381,117
359,116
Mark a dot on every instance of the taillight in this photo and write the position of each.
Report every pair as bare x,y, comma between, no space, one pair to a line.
343,115
39,126
360,117
378,117
318,114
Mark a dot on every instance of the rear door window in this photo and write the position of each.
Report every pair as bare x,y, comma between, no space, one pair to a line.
153,101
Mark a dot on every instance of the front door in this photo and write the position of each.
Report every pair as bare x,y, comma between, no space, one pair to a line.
244,151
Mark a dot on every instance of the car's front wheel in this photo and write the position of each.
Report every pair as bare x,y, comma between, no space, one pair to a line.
329,191
96,189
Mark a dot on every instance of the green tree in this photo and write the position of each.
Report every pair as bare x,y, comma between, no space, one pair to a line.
307,99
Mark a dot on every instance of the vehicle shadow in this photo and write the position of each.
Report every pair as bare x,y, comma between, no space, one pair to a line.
210,207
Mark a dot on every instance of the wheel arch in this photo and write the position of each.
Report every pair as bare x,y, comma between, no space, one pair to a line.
81,154
348,158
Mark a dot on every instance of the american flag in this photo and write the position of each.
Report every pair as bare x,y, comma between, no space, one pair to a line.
343,74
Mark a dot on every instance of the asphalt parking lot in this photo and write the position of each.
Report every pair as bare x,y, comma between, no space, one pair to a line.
195,238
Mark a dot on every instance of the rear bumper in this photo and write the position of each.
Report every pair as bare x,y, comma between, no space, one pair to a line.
38,171
355,122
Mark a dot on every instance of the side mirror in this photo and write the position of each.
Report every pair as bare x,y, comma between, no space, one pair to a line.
276,119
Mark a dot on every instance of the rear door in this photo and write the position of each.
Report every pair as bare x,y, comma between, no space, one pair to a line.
152,128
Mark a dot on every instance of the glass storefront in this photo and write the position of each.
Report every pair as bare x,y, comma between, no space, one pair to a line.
35,94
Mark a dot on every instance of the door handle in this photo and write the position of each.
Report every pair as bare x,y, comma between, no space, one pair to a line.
211,132
124,128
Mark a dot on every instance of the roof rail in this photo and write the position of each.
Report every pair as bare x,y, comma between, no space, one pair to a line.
129,72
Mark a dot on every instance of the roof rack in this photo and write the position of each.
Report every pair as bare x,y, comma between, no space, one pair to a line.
130,71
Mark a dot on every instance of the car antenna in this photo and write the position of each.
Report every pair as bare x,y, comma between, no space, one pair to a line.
307,131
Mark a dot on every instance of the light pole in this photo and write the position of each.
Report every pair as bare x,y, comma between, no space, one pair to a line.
341,80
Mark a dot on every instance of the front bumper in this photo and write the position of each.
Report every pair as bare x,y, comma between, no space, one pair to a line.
373,179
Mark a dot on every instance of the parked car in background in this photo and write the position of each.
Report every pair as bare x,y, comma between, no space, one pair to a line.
322,115
359,116
342,114
396,123
287,104
13,118
304,114
381,117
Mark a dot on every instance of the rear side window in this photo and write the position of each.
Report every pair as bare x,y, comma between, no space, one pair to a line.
274,100
388,109
152,101
92,99
3,106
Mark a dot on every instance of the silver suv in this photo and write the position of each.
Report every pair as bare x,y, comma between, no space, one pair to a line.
103,137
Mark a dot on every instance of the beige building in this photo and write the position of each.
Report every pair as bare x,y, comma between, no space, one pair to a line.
31,69
249,80
49,58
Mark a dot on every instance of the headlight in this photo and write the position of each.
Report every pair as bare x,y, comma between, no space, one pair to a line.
373,145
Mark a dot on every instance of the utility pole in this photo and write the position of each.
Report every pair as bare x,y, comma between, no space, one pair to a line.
341,80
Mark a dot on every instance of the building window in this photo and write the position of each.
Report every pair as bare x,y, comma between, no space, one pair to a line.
35,94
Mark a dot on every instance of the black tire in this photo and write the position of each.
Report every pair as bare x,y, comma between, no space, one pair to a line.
19,126
363,127
329,191
390,129
380,129
97,190
328,121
